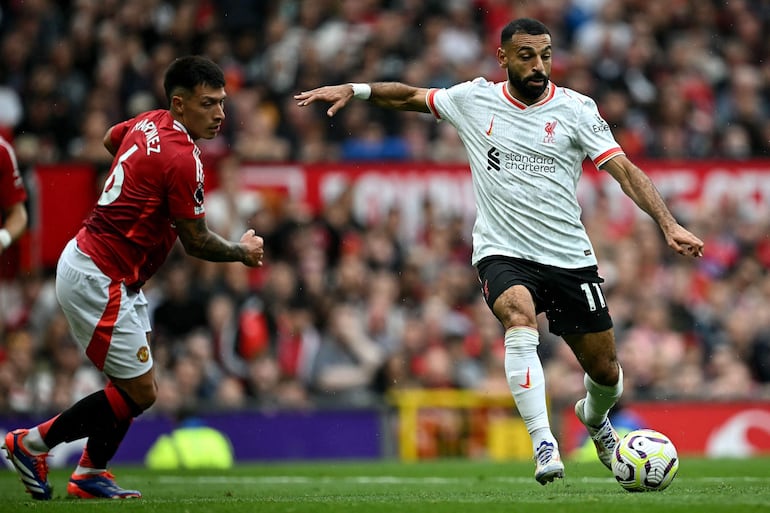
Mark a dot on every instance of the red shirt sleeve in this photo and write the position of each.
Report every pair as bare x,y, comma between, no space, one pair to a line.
12,189
119,132
185,186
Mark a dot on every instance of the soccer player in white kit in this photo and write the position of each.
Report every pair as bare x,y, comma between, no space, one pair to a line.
526,139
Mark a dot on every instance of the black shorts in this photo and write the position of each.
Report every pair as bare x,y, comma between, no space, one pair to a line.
572,299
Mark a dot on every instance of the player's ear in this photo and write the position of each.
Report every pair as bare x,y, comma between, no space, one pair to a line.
502,58
177,104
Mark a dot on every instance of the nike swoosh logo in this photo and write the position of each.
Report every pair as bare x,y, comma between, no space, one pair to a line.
491,122
528,383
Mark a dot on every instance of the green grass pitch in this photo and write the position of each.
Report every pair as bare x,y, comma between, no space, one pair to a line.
443,486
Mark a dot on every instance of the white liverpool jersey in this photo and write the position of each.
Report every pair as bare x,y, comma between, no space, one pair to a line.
525,163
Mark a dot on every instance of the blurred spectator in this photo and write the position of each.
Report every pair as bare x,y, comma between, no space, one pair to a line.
458,38
229,394
270,388
90,146
650,350
69,378
742,104
467,370
368,140
297,339
222,317
448,147
605,39
347,361
257,139
18,381
181,309
729,377
230,207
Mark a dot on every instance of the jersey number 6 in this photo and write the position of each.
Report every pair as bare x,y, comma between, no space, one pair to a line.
113,185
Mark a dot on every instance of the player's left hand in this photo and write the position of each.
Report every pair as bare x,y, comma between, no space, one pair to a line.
337,95
254,248
684,242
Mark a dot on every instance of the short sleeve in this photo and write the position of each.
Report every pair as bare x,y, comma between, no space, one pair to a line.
595,136
185,187
119,131
449,103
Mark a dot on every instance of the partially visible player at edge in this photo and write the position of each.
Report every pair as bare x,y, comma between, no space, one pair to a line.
526,140
153,194
13,194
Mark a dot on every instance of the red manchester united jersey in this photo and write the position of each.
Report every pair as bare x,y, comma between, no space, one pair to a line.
156,177
11,187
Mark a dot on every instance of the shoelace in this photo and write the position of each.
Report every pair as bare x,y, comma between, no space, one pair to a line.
605,436
544,452
40,462
109,481
41,467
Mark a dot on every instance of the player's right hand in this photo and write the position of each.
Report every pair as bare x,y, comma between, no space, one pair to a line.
337,95
254,246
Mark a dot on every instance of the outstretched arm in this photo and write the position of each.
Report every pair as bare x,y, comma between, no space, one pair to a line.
638,186
200,242
390,95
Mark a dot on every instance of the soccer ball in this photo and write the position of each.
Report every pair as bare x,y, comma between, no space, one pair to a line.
645,460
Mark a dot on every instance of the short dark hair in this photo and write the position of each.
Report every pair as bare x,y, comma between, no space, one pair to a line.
191,71
525,25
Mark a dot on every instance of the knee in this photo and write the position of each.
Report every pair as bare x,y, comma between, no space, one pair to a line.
515,308
139,393
606,372
145,395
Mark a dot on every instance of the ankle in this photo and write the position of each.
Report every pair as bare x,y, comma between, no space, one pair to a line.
88,471
543,435
33,443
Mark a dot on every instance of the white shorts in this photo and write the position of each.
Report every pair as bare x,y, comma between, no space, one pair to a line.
107,319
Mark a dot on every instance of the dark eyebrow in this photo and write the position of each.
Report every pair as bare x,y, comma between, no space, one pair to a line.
532,49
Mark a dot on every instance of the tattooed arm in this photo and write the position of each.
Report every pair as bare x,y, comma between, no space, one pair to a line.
200,242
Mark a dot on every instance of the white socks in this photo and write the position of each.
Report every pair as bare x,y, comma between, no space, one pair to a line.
34,442
88,471
527,382
600,398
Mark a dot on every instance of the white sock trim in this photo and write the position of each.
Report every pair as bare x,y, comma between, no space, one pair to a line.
600,398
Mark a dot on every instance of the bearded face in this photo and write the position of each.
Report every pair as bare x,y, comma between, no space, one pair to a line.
526,59
530,88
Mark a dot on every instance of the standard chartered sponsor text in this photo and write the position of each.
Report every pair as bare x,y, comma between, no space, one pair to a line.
533,163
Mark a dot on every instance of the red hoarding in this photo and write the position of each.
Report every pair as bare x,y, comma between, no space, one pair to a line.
63,196
715,429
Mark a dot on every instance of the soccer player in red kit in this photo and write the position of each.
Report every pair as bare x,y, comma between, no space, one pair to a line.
153,194
13,213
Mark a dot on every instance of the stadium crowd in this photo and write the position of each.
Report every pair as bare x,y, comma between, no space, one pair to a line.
344,311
